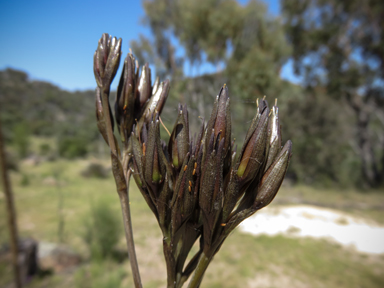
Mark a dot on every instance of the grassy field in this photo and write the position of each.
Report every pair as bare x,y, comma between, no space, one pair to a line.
244,260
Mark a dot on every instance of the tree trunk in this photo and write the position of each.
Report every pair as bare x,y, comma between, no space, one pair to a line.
11,213
366,146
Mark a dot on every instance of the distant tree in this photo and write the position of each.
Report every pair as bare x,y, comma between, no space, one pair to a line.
245,44
241,41
340,45
37,108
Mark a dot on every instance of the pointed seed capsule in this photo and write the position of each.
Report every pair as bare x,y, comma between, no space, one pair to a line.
106,60
273,177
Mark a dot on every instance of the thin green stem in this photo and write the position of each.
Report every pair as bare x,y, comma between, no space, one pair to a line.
204,261
183,277
202,265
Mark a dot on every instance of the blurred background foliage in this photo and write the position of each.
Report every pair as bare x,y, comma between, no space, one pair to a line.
333,112
334,116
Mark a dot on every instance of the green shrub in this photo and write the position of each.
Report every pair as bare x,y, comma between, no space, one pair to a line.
21,139
12,161
72,147
25,181
95,170
102,230
45,149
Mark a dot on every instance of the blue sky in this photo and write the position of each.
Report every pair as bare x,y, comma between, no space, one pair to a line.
55,40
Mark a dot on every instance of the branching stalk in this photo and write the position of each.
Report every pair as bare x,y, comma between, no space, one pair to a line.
202,265
189,269
124,197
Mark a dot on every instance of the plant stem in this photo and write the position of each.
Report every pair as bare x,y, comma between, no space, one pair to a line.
189,269
107,118
11,213
123,194
199,271
170,264
126,211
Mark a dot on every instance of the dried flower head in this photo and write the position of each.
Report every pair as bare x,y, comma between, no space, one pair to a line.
196,186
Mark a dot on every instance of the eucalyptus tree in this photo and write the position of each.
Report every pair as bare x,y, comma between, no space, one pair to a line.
339,45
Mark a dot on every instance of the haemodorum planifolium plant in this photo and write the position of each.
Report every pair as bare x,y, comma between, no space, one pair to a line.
198,188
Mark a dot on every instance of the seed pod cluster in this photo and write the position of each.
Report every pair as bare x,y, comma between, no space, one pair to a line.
137,100
196,185
106,60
